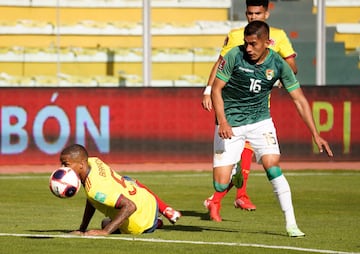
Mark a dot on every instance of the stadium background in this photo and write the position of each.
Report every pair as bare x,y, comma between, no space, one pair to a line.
82,82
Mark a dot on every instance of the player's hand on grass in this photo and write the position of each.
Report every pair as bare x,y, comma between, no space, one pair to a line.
96,232
77,232
207,103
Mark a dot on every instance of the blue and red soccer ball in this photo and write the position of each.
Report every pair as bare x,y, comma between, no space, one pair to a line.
64,182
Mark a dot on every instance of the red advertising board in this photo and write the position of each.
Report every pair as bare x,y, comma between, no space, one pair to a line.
124,125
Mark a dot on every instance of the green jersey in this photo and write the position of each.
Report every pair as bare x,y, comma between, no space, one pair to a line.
248,86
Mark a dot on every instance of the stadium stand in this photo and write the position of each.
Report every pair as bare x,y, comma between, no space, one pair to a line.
7,80
103,45
87,41
300,25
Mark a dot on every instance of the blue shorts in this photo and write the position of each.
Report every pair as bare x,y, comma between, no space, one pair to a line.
154,226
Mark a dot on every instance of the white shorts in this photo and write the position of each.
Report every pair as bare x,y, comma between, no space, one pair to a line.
262,138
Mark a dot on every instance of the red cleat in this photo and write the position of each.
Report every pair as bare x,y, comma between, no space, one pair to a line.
214,209
244,203
172,215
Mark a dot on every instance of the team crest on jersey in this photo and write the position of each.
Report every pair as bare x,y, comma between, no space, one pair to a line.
222,64
269,74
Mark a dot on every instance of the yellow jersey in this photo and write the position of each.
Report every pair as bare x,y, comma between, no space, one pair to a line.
279,42
104,188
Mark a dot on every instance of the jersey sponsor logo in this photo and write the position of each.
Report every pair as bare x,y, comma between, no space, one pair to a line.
222,64
269,74
245,69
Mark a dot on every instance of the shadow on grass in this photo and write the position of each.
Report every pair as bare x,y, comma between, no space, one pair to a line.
202,216
61,231
189,228
39,232
205,216
261,232
185,228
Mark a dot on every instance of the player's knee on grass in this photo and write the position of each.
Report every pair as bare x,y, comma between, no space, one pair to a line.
105,222
273,172
220,187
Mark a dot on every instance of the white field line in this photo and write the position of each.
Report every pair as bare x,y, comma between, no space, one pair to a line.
153,240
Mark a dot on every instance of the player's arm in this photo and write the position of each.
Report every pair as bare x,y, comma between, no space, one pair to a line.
88,214
286,51
206,101
304,111
125,208
292,63
225,130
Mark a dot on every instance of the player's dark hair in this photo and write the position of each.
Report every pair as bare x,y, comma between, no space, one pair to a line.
264,3
75,151
260,28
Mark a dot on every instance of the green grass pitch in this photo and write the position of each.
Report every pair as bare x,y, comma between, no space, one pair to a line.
327,208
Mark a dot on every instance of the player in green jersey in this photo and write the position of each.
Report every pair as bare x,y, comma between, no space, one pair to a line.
130,207
280,43
240,95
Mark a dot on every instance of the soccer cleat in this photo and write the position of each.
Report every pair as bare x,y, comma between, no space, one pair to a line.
207,202
214,209
294,231
172,215
244,203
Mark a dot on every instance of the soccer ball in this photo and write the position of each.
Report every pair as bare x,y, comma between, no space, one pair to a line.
64,183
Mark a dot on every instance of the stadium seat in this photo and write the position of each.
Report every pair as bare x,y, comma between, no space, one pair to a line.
348,33
190,80
107,81
66,80
339,3
172,55
132,80
348,28
125,55
46,81
206,54
11,54
90,55
7,80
